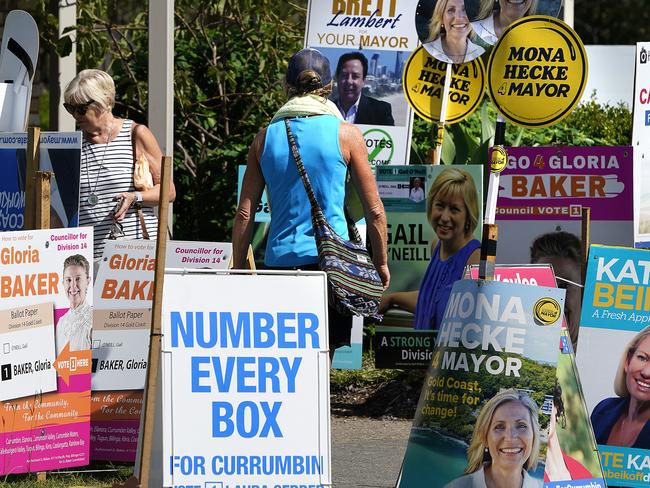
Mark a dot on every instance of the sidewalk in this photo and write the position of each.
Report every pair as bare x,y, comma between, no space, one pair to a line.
366,452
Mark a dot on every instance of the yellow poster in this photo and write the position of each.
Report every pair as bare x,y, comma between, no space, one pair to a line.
537,72
424,81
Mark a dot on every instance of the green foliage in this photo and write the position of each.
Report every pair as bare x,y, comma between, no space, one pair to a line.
368,376
230,58
590,124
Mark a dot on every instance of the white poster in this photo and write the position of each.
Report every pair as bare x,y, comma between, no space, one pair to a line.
27,355
122,316
124,291
245,380
383,33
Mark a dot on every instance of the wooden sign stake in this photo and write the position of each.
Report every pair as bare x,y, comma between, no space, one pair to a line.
33,151
586,242
42,199
156,325
153,361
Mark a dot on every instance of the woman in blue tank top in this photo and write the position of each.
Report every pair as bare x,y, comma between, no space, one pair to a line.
452,209
329,148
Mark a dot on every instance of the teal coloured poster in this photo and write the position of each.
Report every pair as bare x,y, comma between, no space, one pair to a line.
497,348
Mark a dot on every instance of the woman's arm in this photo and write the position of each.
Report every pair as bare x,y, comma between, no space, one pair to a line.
474,258
406,300
251,192
356,155
145,143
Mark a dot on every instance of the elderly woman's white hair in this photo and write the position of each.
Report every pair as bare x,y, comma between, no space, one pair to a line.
91,84
620,386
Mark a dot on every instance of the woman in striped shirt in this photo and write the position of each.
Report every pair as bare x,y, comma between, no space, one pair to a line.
110,147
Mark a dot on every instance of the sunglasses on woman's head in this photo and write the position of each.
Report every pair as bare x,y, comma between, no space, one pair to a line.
79,109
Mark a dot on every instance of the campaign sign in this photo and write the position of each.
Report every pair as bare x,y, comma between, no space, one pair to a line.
26,357
641,144
197,254
544,189
246,379
402,348
411,239
122,326
497,346
383,33
537,71
571,454
122,317
60,152
613,357
45,329
424,82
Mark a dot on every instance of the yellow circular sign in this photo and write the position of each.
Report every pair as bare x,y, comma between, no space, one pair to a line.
537,71
546,311
424,84
499,159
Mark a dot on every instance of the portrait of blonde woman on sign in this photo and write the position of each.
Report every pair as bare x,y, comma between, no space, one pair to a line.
75,326
449,34
624,420
505,444
452,211
496,15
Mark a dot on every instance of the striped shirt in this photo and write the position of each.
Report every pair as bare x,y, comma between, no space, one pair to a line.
106,171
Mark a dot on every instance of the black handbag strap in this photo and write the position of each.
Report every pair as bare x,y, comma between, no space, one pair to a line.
315,207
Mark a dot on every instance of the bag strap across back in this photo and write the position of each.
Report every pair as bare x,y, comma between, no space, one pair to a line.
316,210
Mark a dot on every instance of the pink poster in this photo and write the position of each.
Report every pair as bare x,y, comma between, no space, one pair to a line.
45,358
544,189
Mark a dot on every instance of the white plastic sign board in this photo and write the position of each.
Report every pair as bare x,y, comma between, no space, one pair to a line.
122,316
245,379
27,342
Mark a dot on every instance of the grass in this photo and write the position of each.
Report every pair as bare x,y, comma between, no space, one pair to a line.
97,475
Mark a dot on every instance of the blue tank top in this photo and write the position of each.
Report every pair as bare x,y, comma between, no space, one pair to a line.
436,285
291,238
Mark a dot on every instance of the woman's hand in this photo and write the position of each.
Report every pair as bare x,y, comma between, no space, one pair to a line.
124,200
386,302
384,274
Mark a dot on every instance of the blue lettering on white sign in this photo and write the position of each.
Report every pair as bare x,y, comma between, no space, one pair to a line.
247,419
285,330
253,374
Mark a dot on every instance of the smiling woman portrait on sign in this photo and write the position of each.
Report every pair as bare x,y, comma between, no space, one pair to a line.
624,420
75,326
452,210
504,445
496,15
449,31
109,201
